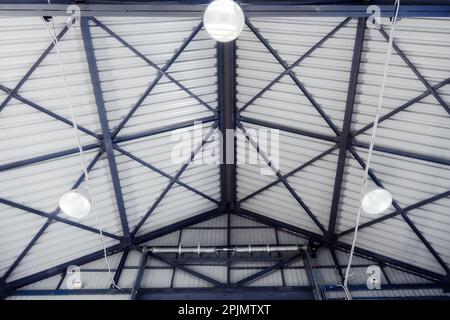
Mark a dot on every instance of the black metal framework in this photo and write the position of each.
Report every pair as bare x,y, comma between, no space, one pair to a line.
345,140
226,117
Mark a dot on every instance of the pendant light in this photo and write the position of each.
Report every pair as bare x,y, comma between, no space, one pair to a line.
376,200
75,203
223,20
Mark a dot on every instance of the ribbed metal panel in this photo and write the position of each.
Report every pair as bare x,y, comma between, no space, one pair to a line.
409,181
59,244
125,76
359,276
25,186
314,184
422,127
253,236
46,284
324,73
141,185
350,194
43,134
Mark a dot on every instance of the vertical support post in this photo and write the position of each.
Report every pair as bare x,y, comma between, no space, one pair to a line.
140,274
107,140
227,113
345,137
227,108
311,277
120,267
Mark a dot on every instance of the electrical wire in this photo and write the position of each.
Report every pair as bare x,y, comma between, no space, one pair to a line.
54,38
372,143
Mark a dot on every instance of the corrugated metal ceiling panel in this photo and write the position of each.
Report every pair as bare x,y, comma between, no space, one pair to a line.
284,102
422,127
294,151
157,39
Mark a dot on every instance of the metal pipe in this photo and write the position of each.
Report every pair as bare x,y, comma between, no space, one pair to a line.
233,249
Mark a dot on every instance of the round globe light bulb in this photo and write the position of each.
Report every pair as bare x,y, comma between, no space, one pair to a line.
75,203
376,201
223,20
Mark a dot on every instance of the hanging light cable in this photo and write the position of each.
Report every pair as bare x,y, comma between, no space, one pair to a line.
54,39
372,142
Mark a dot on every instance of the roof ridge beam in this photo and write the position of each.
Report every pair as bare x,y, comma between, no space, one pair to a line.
345,135
107,139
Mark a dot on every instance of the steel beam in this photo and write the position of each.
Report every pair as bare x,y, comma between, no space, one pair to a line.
31,70
402,153
290,173
395,286
322,240
283,180
52,216
178,225
107,140
337,264
185,269
172,181
213,293
266,271
266,9
47,223
155,66
110,250
404,216
140,274
345,136
46,157
295,64
226,64
48,112
397,212
120,267
313,282
157,79
416,72
287,129
294,78
402,107
168,176
165,129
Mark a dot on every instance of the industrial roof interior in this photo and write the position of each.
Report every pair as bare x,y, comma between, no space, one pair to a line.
138,72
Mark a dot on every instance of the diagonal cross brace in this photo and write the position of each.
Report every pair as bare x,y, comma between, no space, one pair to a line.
402,107
283,180
48,112
32,69
52,217
290,173
293,77
268,270
295,64
397,212
404,216
148,165
157,79
173,180
346,127
416,72
107,140
140,55
185,269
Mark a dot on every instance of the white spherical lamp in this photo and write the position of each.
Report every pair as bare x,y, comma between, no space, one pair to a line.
75,203
223,20
376,201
